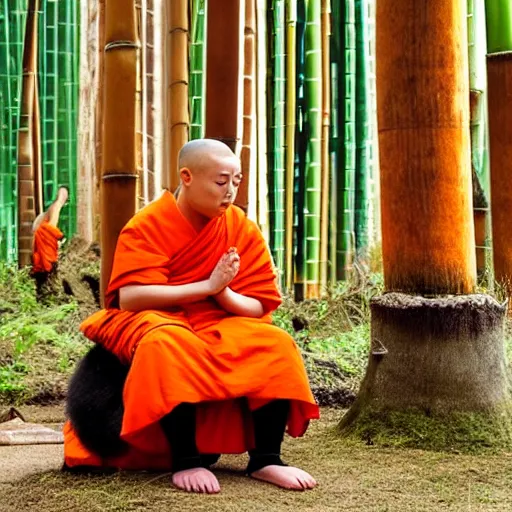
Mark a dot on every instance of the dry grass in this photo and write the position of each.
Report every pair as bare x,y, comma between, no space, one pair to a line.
351,477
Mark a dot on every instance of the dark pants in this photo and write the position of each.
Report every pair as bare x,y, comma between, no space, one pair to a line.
269,425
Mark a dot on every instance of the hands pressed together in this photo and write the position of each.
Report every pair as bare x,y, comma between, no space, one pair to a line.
225,271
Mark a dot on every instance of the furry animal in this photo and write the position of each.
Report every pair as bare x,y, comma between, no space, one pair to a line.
95,402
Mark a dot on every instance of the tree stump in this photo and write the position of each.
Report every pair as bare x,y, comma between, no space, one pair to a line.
437,374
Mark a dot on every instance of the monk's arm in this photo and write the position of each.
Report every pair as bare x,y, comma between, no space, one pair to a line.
162,297
238,304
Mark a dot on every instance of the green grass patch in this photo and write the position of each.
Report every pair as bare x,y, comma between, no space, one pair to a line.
40,344
461,432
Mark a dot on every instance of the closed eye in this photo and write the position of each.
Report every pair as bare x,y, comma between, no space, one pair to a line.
221,183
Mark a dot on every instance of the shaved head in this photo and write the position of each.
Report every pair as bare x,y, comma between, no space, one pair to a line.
196,154
210,176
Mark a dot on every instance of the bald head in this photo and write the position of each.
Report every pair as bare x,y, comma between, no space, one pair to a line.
196,154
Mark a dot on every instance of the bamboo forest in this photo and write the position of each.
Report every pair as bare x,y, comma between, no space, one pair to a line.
224,221
303,99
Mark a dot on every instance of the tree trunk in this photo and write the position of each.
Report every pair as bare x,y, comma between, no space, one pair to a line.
27,157
223,72
437,373
499,72
423,118
119,162
499,79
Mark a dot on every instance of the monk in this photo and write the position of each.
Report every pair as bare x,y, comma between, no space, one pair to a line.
46,237
188,311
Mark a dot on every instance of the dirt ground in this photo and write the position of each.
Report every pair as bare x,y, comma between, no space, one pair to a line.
17,462
351,477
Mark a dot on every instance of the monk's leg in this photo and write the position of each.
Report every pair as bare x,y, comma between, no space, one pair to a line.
189,474
53,212
265,460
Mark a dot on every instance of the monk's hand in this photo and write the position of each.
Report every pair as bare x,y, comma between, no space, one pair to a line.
225,271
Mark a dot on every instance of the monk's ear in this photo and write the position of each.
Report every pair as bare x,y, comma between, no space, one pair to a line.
185,175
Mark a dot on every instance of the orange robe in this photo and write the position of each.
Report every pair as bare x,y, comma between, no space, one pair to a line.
197,353
45,247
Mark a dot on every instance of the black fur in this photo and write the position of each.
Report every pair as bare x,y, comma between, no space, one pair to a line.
95,402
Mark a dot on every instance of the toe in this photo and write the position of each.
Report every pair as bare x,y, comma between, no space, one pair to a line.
186,484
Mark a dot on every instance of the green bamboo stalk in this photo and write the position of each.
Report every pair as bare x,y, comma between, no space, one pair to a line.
65,107
478,84
197,52
362,206
345,35
291,29
13,15
481,174
313,94
59,69
499,17
49,98
277,135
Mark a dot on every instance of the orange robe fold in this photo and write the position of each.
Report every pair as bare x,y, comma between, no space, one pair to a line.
45,247
198,353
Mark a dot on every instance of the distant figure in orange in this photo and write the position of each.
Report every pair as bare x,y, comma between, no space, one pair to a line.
46,238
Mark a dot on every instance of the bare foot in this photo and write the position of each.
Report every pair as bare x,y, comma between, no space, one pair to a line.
62,195
286,477
196,480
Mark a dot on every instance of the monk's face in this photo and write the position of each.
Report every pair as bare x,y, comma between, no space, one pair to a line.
214,186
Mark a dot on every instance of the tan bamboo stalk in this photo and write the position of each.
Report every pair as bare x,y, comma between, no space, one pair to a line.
166,98
27,158
139,104
36,148
178,83
119,162
88,97
143,106
100,114
326,119
290,106
157,105
261,118
249,98
150,92
222,71
426,201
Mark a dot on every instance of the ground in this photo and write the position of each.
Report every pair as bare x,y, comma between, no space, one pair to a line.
37,358
351,476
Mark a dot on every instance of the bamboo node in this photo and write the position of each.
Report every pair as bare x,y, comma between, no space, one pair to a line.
178,29
114,45
107,177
